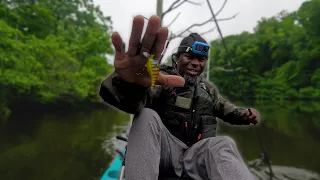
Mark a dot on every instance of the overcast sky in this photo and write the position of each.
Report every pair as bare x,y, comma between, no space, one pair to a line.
249,12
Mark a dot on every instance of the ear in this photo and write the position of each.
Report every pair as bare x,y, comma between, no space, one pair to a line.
175,58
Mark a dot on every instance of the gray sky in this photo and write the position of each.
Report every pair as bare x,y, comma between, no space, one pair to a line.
249,12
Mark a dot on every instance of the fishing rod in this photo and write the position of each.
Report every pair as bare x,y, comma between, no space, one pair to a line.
265,156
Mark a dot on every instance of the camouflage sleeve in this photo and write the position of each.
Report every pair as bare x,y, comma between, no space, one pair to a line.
224,109
128,97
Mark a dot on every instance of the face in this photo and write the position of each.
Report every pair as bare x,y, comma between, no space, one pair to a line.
191,65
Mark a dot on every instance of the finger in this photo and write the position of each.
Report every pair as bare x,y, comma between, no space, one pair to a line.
160,42
136,32
118,45
150,34
245,113
253,117
143,80
170,80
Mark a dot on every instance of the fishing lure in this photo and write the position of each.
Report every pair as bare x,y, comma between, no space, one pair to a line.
153,67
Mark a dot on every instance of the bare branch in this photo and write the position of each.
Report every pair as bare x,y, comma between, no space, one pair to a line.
170,8
210,30
228,18
173,8
173,36
194,3
175,5
174,19
223,5
145,18
194,25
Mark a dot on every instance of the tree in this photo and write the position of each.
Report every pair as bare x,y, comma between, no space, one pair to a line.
52,52
279,60
178,3
182,33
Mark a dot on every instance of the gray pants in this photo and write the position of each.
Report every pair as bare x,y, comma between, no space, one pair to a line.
152,148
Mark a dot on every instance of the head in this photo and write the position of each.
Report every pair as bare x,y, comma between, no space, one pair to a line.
192,55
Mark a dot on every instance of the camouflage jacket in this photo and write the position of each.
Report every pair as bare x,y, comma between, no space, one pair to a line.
131,98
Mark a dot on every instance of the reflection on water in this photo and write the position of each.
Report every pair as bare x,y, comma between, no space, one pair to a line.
81,144
290,132
58,145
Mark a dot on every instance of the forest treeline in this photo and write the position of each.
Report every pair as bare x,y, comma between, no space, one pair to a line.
52,52
55,52
279,60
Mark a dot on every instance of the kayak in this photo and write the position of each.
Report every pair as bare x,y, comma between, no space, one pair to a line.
113,171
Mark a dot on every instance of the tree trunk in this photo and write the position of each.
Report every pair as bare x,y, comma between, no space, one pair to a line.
159,9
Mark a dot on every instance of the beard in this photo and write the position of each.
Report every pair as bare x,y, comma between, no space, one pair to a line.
190,81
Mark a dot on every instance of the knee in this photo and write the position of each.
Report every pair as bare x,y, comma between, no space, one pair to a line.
147,116
221,142
148,113
227,140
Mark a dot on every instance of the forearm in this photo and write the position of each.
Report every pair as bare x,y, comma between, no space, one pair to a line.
229,112
125,96
234,117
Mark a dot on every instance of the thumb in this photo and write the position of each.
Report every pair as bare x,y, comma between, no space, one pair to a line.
170,80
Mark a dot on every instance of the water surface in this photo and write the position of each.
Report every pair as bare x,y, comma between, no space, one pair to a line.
80,144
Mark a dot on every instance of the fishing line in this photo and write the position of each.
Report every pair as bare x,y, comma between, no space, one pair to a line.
265,157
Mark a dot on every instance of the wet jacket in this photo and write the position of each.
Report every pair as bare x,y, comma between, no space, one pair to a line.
190,113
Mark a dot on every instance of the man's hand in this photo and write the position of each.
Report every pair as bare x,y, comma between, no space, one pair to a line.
254,116
131,65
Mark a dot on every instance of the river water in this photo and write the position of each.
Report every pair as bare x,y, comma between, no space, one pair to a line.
79,144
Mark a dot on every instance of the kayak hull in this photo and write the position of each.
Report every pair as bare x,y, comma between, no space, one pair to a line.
113,171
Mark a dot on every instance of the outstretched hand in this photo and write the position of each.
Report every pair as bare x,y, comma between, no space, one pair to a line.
130,65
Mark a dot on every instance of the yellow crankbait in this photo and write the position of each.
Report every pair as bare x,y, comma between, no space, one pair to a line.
153,67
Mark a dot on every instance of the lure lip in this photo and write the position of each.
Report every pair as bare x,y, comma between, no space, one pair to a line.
146,54
155,61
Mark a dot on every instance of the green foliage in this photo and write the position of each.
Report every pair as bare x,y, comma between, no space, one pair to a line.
279,60
52,51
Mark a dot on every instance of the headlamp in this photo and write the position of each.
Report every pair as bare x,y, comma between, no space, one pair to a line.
198,48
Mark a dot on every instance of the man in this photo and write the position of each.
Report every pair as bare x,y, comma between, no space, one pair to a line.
175,121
